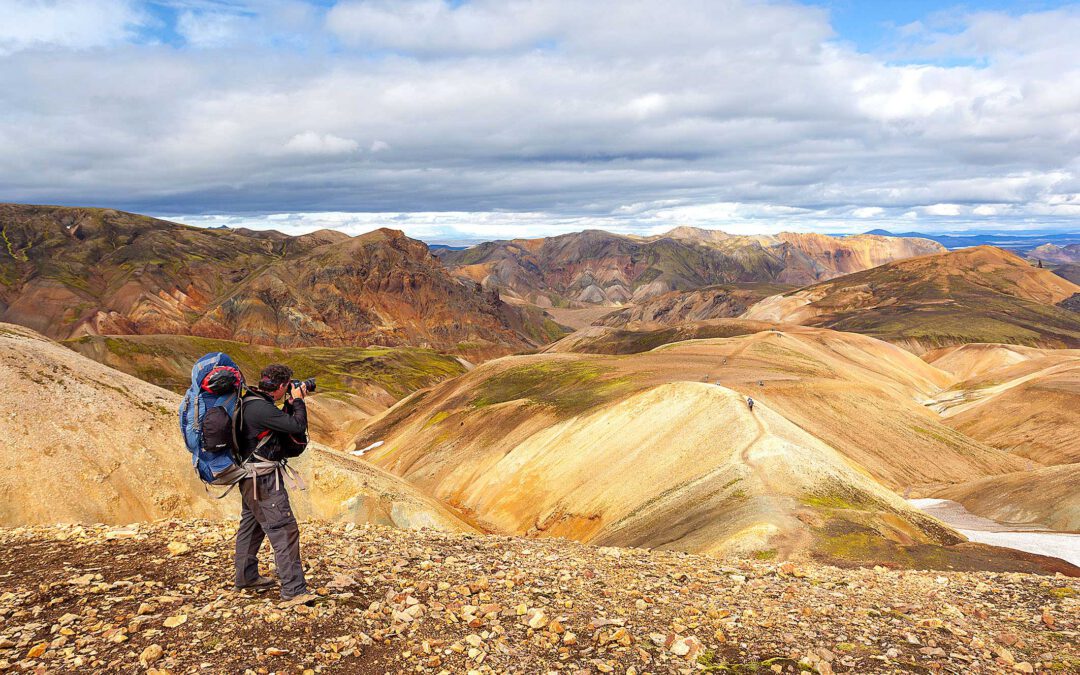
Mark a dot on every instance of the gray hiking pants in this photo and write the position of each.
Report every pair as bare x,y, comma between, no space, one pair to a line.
268,516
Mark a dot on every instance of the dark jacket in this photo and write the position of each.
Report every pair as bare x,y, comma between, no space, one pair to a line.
261,415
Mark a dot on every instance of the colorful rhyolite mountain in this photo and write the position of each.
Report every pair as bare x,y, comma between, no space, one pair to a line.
68,272
1062,255
980,294
596,267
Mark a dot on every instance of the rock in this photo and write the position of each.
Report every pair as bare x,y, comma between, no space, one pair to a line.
537,619
687,647
150,655
276,651
37,650
1024,667
174,621
179,548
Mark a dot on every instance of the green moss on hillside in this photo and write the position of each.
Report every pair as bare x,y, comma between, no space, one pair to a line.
570,387
166,360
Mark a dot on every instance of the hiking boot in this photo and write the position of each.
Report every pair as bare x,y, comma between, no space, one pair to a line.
304,598
260,584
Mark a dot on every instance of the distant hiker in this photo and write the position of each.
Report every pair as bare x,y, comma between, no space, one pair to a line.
271,435
750,403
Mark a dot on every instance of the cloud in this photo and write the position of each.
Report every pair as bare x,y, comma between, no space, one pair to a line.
942,210
635,114
68,24
312,143
211,29
868,212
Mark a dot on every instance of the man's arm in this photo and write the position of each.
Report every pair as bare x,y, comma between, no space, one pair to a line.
279,420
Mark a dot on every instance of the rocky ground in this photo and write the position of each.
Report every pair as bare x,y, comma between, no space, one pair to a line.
158,598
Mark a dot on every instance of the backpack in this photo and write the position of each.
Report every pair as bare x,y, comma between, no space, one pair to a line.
209,418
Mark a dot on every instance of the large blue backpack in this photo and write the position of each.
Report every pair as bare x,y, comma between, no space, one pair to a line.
209,419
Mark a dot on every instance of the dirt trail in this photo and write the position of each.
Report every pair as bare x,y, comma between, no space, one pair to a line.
795,539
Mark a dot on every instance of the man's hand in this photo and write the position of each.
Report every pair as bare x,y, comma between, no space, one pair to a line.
297,392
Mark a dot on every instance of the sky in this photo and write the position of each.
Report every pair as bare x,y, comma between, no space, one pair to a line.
466,120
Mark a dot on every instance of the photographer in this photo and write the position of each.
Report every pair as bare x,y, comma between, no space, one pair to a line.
271,435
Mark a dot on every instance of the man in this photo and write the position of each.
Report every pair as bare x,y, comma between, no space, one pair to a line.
750,403
266,431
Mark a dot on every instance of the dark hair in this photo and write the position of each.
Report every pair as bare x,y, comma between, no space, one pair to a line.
273,376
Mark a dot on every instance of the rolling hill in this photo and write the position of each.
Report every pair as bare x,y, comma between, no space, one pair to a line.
980,294
68,272
640,451
94,445
1022,400
1046,497
596,267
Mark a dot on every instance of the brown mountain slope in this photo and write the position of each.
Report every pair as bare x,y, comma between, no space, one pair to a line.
980,294
1052,253
617,449
1025,401
711,302
1069,272
1048,497
91,444
68,272
596,267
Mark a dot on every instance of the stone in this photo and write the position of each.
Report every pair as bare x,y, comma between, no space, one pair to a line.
150,655
174,621
177,548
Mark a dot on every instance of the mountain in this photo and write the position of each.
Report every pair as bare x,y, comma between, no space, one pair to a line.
640,451
596,267
1061,255
710,302
981,294
93,445
68,272
1022,400
1019,242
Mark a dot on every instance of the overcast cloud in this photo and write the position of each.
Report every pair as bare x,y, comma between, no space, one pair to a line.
497,118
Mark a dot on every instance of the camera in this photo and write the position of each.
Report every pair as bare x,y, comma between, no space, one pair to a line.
308,384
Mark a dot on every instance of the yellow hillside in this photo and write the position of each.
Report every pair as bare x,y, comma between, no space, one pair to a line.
92,444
